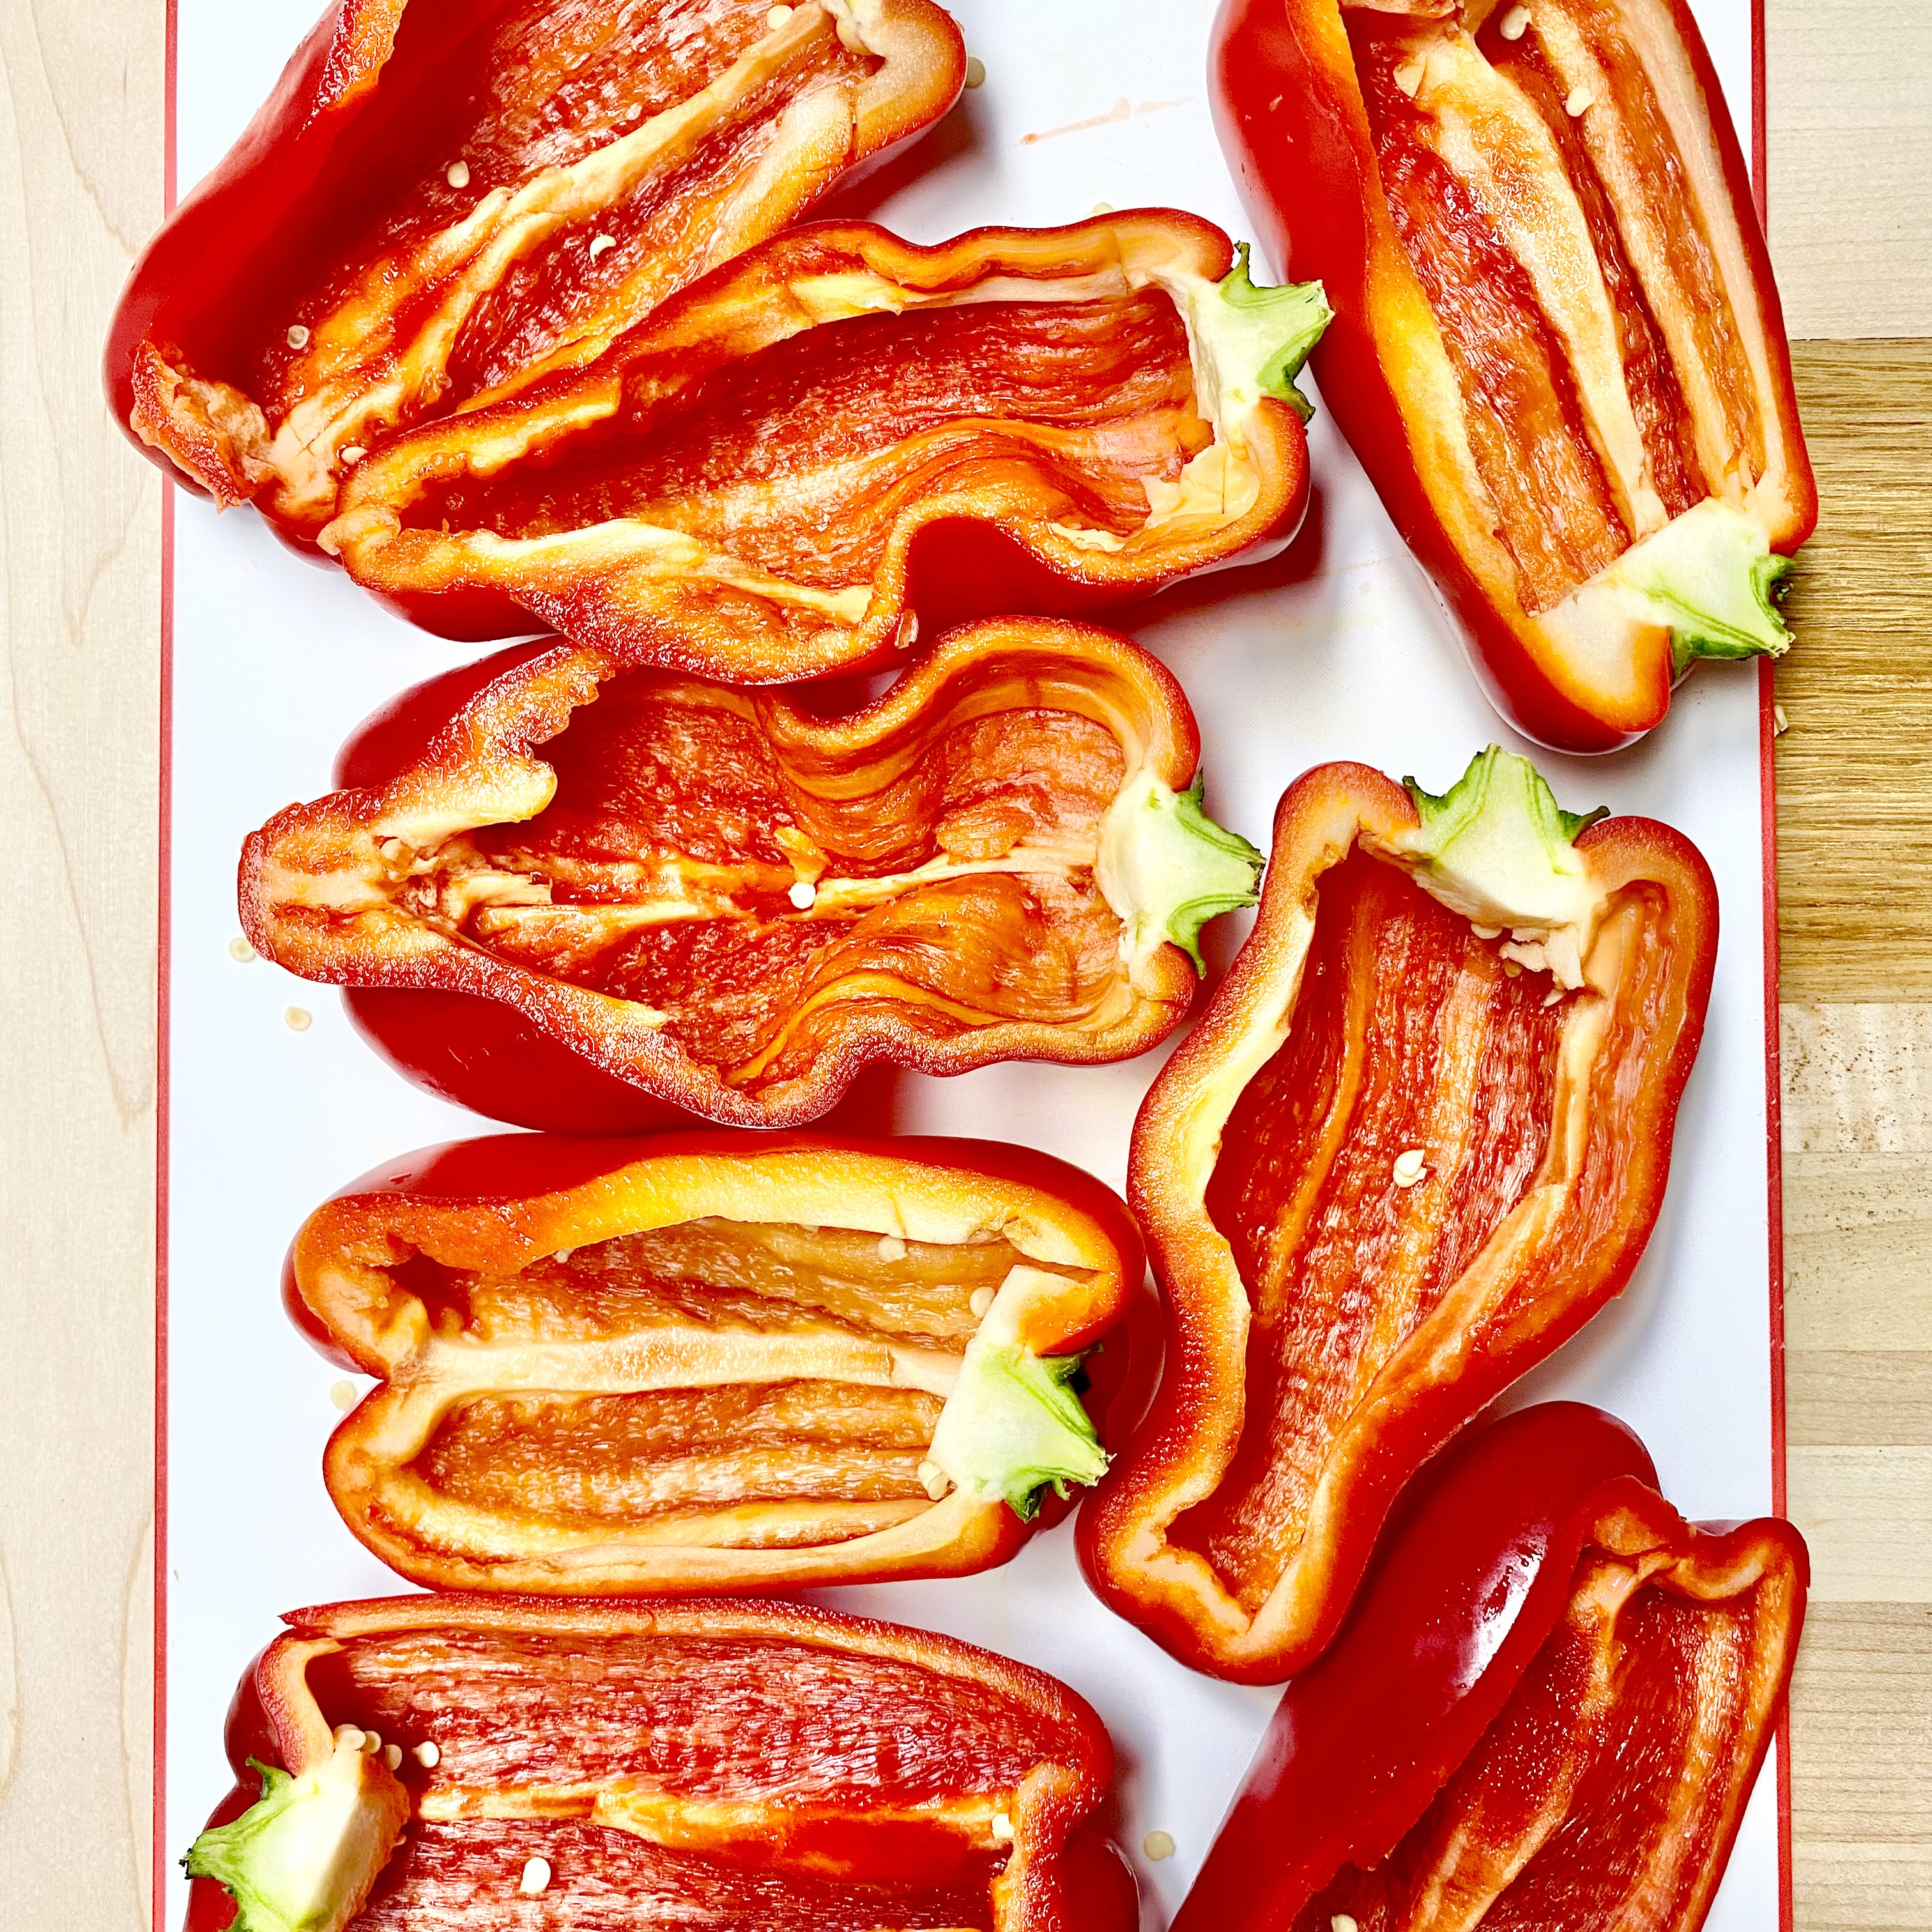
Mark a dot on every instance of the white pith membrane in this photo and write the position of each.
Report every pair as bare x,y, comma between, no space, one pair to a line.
412,880
670,1388
1634,107
678,1767
375,360
1213,489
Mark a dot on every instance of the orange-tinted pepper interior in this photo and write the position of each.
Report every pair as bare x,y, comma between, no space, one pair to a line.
1529,431
945,877
1409,1033
797,459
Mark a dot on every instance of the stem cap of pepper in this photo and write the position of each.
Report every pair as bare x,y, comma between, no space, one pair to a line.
1497,848
1166,868
1012,1424
305,1855
1256,338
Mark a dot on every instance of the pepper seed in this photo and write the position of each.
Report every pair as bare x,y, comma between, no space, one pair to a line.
1158,1845
535,1878
1410,1166
457,174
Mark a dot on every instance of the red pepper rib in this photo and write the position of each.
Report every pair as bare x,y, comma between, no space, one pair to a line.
694,897
748,1764
1331,1324
1550,1706
762,479
698,1361
1556,329
439,203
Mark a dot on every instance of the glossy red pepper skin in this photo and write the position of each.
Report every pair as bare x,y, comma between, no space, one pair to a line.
438,202
514,1211
1027,1747
1290,106
1330,1327
1475,1577
322,892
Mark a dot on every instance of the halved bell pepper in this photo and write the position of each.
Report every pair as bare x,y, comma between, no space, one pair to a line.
717,1361
1558,349
687,896
469,1763
1547,1712
441,202
1419,1138
762,480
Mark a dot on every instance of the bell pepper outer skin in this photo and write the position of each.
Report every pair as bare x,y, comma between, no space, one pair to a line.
1478,1569
955,552
428,991
1289,110
220,275
500,1203
1063,1876
1431,1384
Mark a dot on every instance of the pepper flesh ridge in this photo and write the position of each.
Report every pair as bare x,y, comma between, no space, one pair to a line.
1608,1790
777,1765
710,1364
1557,328
762,479
1330,1327
1547,1708
480,203
631,895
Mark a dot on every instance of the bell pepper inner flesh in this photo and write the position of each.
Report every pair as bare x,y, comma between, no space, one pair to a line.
1604,1792
719,1364
760,1458
514,193
736,1765
1410,1032
664,872
1570,285
765,476
792,459
1403,1155
731,904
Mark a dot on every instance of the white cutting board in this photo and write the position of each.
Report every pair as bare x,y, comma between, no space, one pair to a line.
1343,653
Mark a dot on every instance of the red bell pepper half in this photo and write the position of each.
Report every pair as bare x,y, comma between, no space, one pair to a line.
442,200
1546,1711
761,480
719,1361
469,1763
687,896
1419,1138
1557,348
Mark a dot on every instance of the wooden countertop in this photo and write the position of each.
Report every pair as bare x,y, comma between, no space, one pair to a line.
1850,122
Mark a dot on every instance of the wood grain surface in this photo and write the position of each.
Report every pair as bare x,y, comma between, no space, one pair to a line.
80,186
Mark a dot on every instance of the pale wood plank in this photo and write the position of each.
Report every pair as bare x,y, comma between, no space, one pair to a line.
1863,1511
1861,1738
80,132
1847,1396
1857,1077
1850,122
1854,769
